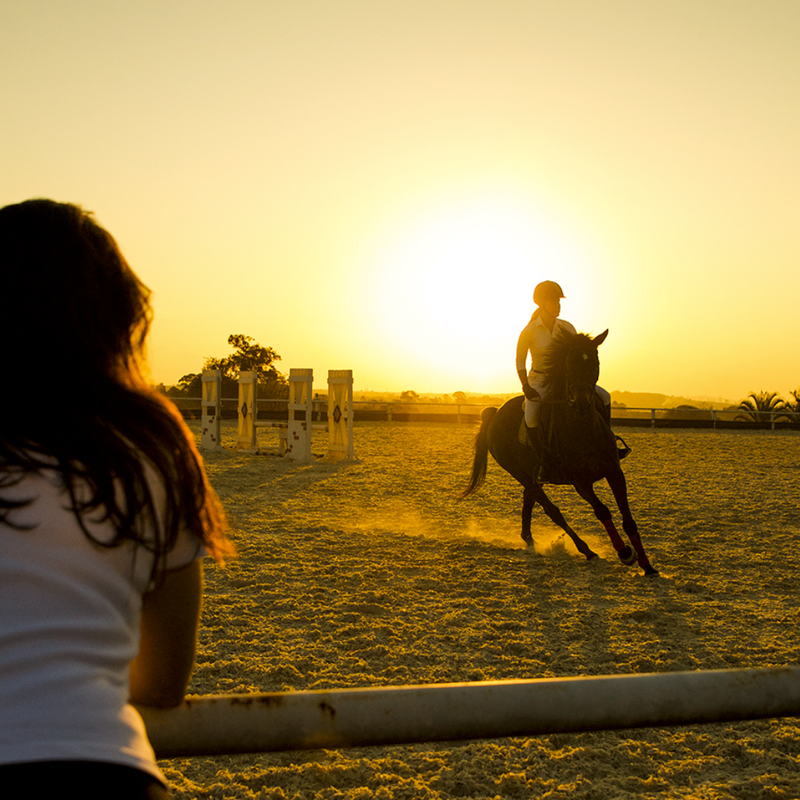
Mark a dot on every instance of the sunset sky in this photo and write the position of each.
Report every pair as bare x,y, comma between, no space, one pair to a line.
378,185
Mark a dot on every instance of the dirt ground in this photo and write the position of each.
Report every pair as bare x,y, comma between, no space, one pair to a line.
375,574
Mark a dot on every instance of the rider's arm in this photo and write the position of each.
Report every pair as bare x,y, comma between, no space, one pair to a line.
522,358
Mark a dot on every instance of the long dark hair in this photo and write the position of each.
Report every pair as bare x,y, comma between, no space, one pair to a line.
75,318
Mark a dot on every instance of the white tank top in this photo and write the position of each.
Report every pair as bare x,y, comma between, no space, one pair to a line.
69,628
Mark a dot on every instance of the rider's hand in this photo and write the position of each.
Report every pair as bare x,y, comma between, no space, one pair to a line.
530,392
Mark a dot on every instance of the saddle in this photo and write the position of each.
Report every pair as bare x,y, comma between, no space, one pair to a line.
622,448
522,434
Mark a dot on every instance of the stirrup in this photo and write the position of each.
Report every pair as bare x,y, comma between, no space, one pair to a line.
542,475
624,450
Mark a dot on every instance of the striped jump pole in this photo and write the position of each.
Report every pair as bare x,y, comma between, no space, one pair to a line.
254,723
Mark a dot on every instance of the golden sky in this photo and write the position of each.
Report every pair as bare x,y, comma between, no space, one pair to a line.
378,185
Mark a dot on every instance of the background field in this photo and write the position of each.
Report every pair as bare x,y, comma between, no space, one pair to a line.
375,574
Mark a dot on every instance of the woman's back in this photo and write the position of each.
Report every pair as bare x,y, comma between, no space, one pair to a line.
69,628
105,511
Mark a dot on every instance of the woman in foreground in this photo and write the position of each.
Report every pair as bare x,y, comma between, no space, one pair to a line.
105,513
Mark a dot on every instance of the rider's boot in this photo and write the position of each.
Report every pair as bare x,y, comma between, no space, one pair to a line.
621,451
543,474
535,442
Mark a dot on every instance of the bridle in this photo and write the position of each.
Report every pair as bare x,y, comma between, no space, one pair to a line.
580,392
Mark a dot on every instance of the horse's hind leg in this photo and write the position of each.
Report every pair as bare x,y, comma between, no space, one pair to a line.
556,516
527,514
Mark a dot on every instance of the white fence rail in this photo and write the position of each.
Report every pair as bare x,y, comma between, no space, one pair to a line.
398,410
229,724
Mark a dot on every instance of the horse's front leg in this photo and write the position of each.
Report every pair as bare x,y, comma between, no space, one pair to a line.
625,552
556,516
616,480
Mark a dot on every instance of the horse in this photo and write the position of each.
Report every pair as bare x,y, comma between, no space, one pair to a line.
580,442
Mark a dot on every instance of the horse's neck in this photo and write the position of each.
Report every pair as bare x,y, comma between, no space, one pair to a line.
557,386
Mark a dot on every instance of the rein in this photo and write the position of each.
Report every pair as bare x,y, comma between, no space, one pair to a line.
569,398
570,383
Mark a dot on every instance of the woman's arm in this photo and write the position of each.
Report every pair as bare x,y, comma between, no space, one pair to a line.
522,363
161,671
521,359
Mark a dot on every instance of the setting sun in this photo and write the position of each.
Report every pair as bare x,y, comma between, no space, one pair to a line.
380,186
455,286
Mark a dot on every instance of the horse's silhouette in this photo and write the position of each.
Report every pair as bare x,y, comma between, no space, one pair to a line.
581,446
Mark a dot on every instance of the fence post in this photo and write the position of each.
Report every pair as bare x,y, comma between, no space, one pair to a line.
300,402
211,403
340,414
248,409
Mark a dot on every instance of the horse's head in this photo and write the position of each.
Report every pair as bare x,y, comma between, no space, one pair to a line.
574,368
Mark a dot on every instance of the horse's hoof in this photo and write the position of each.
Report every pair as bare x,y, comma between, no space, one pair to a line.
590,555
651,572
627,556
528,541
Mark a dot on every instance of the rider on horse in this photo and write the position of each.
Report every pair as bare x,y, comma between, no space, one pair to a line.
535,339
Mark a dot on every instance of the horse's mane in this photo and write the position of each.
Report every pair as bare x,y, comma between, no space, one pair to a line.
555,359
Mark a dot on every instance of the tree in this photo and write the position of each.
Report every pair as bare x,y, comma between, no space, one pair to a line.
248,355
793,405
759,405
688,412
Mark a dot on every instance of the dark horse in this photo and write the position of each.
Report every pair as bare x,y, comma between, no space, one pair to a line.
582,448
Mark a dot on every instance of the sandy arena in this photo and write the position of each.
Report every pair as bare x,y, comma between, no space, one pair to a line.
374,574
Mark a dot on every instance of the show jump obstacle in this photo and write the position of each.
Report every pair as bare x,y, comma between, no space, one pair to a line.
295,434
211,403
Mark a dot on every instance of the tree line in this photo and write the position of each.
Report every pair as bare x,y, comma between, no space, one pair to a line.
250,355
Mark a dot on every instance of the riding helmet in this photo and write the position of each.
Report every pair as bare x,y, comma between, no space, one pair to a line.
545,291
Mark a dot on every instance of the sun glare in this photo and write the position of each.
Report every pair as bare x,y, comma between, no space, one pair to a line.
457,284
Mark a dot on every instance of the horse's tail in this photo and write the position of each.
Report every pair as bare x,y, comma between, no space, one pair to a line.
481,459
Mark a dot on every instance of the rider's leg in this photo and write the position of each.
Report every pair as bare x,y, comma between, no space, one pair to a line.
606,398
543,475
532,422
533,410
536,437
